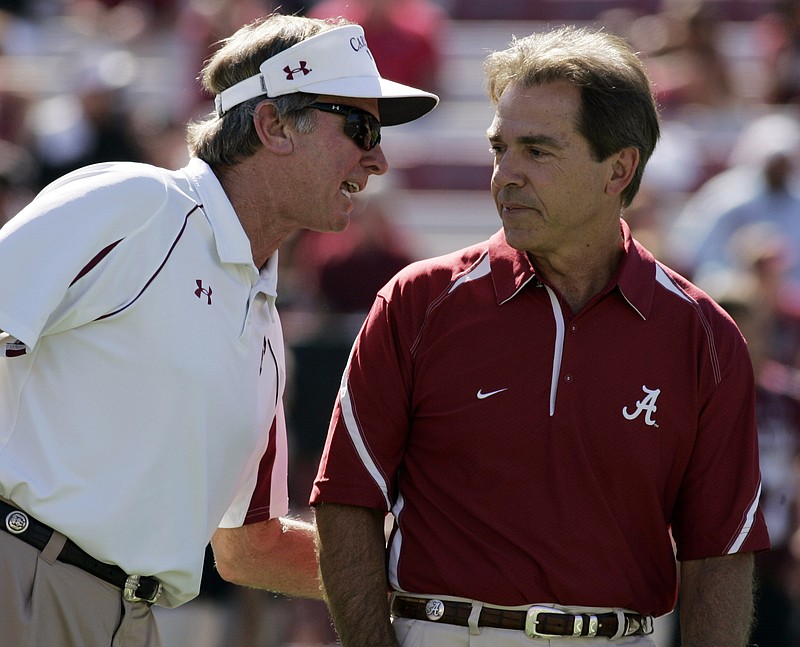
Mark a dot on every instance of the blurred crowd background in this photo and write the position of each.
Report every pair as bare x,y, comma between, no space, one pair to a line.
85,81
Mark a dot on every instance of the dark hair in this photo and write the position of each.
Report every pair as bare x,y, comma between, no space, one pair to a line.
223,141
618,107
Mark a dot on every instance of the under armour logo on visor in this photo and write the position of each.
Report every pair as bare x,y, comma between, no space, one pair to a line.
291,72
200,291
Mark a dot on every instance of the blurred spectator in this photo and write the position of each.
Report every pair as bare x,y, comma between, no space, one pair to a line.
760,185
677,162
34,9
13,113
17,172
681,46
778,420
404,36
761,255
200,26
16,36
91,125
121,21
12,6
154,6
349,279
778,36
772,201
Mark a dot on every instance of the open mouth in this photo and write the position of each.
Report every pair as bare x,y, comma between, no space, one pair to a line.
348,188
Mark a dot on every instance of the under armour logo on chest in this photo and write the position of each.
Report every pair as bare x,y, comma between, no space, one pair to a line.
646,405
291,72
201,291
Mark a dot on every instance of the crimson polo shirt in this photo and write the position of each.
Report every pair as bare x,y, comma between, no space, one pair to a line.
530,456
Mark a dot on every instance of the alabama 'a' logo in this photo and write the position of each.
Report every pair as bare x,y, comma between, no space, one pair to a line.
646,406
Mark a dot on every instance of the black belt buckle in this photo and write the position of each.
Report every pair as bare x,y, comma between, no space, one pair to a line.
133,589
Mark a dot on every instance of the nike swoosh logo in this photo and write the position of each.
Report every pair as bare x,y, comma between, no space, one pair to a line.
481,395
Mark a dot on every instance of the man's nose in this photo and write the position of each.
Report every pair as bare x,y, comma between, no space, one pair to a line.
375,161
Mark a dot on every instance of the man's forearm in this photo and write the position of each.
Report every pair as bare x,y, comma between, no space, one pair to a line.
278,555
716,601
352,558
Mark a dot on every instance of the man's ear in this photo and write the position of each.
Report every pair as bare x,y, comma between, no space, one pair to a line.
623,166
272,129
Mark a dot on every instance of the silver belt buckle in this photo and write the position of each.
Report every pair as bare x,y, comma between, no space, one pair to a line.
132,586
532,619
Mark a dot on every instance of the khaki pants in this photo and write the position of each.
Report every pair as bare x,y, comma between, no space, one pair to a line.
46,603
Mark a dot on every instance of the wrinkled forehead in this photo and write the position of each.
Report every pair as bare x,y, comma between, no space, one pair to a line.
551,106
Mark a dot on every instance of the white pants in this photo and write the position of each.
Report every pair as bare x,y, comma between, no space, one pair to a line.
423,633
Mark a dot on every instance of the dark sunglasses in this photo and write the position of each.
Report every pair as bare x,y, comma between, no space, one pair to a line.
359,125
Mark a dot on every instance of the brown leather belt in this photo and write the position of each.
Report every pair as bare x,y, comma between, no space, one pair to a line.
536,621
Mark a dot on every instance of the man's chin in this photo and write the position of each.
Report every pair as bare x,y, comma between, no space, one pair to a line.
334,225
340,224
516,238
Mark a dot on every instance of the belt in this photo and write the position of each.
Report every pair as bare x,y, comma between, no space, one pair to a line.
536,621
135,588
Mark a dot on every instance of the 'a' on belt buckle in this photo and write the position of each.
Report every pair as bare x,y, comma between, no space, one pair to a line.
434,610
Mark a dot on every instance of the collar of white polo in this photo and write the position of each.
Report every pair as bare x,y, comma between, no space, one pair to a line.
335,62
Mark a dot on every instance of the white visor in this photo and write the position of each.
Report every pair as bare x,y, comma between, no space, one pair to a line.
336,62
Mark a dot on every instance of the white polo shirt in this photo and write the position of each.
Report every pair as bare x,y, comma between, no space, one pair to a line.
141,369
